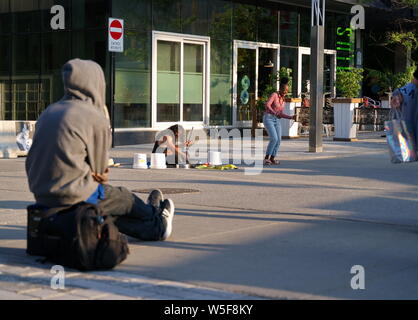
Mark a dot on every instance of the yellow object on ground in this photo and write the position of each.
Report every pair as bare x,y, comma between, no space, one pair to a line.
221,167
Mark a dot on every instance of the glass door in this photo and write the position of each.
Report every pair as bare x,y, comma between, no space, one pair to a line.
246,84
255,65
329,71
168,81
193,82
180,80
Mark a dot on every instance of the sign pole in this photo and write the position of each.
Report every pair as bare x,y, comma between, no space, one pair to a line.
317,76
112,95
115,44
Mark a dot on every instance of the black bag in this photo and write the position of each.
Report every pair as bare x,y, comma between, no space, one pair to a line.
78,237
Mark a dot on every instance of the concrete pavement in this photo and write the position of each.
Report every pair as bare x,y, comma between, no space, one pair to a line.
292,232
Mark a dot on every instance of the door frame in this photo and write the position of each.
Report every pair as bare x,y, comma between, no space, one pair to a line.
181,38
247,45
307,51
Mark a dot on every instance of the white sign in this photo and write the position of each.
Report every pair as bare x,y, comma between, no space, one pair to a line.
115,35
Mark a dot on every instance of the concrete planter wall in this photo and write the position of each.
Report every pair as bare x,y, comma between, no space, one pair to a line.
345,129
15,138
289,127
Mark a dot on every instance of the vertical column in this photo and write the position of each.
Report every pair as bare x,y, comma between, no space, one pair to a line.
317,75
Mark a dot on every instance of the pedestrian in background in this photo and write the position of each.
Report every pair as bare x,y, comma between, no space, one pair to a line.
405,99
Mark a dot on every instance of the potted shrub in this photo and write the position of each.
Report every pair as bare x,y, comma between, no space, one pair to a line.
387,81
348,88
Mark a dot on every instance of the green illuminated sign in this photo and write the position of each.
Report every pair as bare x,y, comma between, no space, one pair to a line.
345,48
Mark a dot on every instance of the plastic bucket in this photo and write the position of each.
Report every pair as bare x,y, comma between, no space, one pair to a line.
215,158
140,161
158,161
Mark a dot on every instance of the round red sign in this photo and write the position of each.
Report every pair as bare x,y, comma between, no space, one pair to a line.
116,30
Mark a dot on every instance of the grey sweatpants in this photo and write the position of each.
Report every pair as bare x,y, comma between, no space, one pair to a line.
132,216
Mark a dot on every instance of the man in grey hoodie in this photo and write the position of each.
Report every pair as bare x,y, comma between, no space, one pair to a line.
68,160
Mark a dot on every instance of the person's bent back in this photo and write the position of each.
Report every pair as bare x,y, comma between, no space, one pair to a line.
71,140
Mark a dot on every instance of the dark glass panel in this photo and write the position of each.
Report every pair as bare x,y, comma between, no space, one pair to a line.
90,13
268,25
136,14
56,51
289,28
5,18
220,19
166,15
220,83
26,15
244,22
194,17
132,87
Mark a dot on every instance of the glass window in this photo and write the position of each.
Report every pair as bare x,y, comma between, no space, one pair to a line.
194,17
305,28
246,83
268,25
132,83
90,45
245,22
56,51
168,81
26,15
136,13
289,67
288,28
24,93
193,82
5,44
5,21
330,31
89,13
46,5
5,61
166,15
220,19
220,83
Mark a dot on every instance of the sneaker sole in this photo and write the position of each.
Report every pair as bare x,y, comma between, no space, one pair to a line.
169,227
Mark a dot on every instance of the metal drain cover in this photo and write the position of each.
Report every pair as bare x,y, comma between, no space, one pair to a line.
168,191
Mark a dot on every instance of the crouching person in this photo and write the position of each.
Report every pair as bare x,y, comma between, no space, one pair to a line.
68,160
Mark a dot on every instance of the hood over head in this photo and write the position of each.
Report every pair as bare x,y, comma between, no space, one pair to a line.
84,80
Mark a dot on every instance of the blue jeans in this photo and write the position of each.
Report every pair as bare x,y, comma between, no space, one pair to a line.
274,130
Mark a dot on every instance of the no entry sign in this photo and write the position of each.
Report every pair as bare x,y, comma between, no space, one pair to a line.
115,35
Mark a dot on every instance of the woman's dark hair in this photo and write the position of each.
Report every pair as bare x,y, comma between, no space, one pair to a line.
176,129
284,81
416,73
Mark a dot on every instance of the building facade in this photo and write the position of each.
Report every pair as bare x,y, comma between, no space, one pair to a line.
201,63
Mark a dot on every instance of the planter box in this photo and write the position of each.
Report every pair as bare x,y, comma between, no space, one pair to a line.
15,138
289,127
345,128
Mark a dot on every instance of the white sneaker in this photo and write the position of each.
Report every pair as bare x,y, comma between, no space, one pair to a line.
167,214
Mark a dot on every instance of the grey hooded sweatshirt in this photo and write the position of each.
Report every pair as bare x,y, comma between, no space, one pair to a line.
72,139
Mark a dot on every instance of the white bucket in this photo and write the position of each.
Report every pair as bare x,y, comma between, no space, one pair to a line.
215,158
158,161
140,161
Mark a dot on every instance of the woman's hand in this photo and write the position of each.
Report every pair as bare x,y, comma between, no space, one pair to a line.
101,178
188,143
